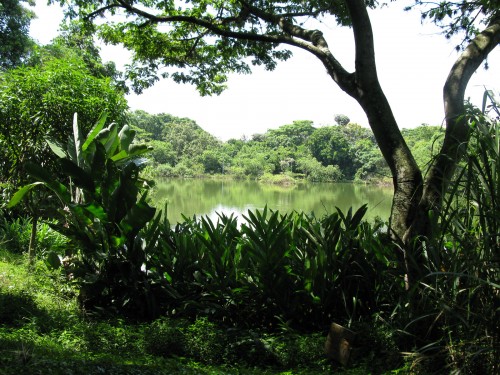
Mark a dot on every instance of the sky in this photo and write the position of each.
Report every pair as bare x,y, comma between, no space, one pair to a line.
413,61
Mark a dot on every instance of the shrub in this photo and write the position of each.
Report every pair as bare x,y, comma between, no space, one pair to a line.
16,307
165,338
105,215
205,342
15,233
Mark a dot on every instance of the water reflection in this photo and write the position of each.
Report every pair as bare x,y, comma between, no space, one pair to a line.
207,197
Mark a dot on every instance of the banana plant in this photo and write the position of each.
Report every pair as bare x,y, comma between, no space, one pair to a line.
102,208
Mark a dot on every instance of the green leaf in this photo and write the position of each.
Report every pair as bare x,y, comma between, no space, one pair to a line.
56,148
81,178
136,150
108,137
53,260
121,155
97,210
126,137
19,195
44,176
95,130
137,217
358,216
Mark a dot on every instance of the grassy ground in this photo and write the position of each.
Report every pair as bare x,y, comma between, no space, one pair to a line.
43,332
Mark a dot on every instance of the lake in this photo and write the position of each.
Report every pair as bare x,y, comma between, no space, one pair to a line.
207,197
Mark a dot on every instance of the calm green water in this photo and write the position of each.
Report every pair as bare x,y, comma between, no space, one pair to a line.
207,197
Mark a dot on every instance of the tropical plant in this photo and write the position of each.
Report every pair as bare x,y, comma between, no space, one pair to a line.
277,270
104,211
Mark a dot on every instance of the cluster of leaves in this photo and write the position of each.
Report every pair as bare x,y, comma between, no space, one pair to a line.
459,17
15,232
284,271
42,331
460,288
424,142
274,268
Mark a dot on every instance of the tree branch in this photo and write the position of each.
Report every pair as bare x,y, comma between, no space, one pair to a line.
457,129
366,70
101,10
309,40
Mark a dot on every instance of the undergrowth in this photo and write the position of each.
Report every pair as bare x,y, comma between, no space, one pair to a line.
42,331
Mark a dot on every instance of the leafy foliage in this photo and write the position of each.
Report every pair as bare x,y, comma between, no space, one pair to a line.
329,153
460,17
75,41
424,142
275,269
15,43
207,41
36,102
177,141
459,288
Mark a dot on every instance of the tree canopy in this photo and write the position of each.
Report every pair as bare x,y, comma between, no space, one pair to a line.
15,42
39,102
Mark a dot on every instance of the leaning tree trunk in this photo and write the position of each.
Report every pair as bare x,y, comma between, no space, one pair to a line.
406,175
457,128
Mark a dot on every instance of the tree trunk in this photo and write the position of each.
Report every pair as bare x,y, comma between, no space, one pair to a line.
406,175
407,178
457,129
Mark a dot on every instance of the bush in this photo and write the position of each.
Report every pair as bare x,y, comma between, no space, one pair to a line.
15,234
163,170
277,179
292,351
205,342
165,338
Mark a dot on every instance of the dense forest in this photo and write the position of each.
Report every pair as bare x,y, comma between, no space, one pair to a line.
95,279
341,152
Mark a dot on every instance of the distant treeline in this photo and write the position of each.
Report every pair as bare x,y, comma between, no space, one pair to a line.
342,152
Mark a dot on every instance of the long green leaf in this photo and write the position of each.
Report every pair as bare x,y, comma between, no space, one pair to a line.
44,176
19,195
97,211
95,130
137,217
80,177
126,137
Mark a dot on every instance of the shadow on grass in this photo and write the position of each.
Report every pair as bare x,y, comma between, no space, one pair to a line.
30,355
17,308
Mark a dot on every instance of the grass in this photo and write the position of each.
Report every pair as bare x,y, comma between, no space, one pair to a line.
42,331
